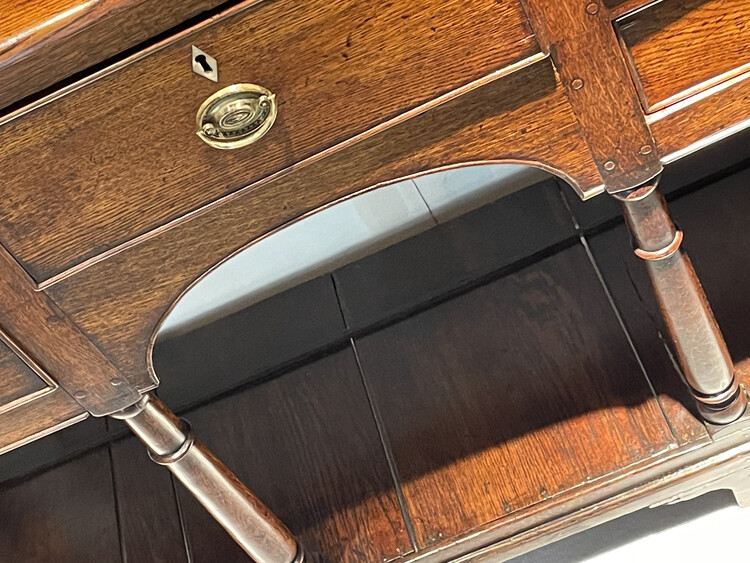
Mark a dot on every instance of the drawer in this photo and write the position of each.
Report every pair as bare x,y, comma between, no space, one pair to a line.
678,47
117,157
45,41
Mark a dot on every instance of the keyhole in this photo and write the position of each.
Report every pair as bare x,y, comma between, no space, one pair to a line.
201,60
204,64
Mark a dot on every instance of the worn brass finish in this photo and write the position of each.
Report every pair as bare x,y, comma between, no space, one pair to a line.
171,443
700,347
236,116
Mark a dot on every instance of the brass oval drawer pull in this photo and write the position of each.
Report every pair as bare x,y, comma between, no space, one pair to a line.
236,116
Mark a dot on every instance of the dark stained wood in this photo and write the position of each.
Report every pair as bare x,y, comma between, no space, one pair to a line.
119,302
54,449
510,395
307,445
318,60
17,380
146,507
627,280
687,127
65,515
676,47
716,238
712,218
46,41
38,418
695,171
38,327
590,417
407,275
580,39
248,344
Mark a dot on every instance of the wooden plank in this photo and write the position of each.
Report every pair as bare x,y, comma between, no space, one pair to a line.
44,42
580,39
629,284
703,119
133,161
696,170
510,395
677,48
38,418
414,272
54,449
248,344
17,380
307,445
120,301
146,506
65,514
618,8
42,331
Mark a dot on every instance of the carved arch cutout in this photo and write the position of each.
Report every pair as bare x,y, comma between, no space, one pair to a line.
220,291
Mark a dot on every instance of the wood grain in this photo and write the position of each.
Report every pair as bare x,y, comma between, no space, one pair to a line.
51,450
628,281
120,301
584,49
619,8
17,380
404,277
38,418
514,393
133,162
676,48
43,332
147,511
46,41
262,338
697,122
307,445
65,515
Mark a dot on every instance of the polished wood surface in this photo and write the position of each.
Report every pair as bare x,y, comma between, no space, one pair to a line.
695,123
45,41
516,387
315,442
314,460
172,444
17,380
581,43
119,302
38,328
34,419
147,510
677,47
693,333
398,280
67,514
138,209
332,66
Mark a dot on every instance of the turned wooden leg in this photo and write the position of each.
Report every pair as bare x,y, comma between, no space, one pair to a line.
699,345
171,443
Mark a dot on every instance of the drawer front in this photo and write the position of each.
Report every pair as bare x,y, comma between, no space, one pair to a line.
679,47
45,41
119,156
18,383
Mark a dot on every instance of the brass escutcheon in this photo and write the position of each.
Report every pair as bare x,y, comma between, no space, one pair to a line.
236,116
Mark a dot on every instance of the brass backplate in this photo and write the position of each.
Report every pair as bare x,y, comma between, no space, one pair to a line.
236,116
